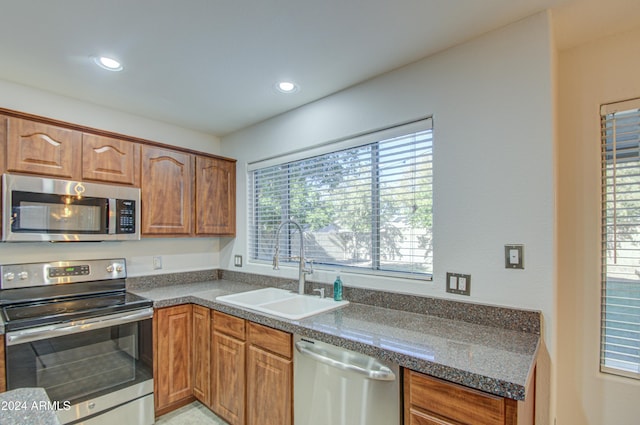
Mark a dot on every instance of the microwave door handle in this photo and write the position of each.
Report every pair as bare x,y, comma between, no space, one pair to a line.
45,332
112,214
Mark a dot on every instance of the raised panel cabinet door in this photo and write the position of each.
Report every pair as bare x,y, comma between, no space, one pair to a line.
201,355
43,149
228,380
215,196
105,159
174,368
269,388
166,191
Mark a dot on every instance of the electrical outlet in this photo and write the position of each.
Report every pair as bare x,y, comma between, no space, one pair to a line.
237,261
459,283
514,256
157,262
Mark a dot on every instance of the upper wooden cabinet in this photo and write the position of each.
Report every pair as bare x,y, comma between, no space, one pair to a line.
43,149
215,196
105,159
166,191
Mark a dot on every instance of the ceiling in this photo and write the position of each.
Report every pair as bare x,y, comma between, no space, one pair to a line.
211,65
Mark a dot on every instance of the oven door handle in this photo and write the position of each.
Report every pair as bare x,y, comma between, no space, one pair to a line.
52,331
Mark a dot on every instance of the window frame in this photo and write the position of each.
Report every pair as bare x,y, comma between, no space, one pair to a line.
371,138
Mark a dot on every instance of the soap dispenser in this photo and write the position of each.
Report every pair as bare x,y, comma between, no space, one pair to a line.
337,288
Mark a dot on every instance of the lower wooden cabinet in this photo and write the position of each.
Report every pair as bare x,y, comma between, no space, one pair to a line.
432,401
201,353
228,368
269,377
173,331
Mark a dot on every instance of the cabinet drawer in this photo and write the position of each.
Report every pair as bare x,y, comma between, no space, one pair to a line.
270,339
453,401
230,325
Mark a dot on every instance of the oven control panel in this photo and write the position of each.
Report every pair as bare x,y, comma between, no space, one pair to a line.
81,270
40,274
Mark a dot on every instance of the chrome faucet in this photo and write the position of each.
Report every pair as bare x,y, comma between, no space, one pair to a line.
302,269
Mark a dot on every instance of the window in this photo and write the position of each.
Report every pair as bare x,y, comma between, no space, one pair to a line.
364,203
620,317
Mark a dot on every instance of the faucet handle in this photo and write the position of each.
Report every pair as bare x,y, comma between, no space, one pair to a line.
321,290
310,269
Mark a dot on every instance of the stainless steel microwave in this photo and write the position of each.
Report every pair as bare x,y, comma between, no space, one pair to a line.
44,209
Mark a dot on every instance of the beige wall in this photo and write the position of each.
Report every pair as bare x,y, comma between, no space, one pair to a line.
602,71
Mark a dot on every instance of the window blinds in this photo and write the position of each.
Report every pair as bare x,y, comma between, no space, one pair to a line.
620,312
364,203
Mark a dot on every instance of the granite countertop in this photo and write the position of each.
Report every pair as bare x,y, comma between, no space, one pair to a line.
27,406
491,359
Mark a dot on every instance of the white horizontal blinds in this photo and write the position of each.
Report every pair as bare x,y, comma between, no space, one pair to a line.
620,321
366,206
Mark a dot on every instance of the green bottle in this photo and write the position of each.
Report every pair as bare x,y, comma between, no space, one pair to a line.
337,289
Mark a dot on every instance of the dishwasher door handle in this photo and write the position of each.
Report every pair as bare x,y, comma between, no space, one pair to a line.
380,373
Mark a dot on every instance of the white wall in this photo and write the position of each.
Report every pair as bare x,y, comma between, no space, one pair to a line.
491,99
178,254
598,72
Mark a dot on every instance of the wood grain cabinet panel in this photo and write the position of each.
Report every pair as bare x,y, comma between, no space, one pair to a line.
174,365
228,378
166,191
43,149
215,196
269,376
432,401
105,159
201,353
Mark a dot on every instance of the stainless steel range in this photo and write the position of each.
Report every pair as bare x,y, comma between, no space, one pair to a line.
72,329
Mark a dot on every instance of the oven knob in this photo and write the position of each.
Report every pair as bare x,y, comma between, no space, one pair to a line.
110,268
119,268
9,276
23,275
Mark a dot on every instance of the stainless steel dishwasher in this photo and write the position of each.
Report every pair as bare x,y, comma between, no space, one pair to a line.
335,386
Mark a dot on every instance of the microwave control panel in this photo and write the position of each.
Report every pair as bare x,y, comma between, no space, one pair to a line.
125,216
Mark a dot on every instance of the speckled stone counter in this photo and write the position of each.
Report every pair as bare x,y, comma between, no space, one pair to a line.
26,406
492,359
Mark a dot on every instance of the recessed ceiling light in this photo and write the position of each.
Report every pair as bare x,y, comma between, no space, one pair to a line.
287,87
107,63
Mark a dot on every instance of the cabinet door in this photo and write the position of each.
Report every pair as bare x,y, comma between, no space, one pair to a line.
43,149
105,159
166,191
269,388
215,196
174,370
228,380
201,347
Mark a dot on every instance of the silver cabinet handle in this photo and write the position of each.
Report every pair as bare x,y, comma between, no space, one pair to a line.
380,373
44,332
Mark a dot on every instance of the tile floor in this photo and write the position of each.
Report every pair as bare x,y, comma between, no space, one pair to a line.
191,414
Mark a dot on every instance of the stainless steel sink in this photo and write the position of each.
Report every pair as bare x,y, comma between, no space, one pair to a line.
282,303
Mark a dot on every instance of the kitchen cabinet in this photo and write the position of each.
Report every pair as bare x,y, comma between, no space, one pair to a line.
201,353
228,368
269,376
109,160
173,336
43,149
166,191
432,401
215,196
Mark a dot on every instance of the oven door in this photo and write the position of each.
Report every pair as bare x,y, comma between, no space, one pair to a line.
88,367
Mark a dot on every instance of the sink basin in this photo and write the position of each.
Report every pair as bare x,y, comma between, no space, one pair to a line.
282,303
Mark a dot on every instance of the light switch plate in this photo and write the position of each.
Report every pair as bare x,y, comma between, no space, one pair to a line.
514,256
237,261
458,283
